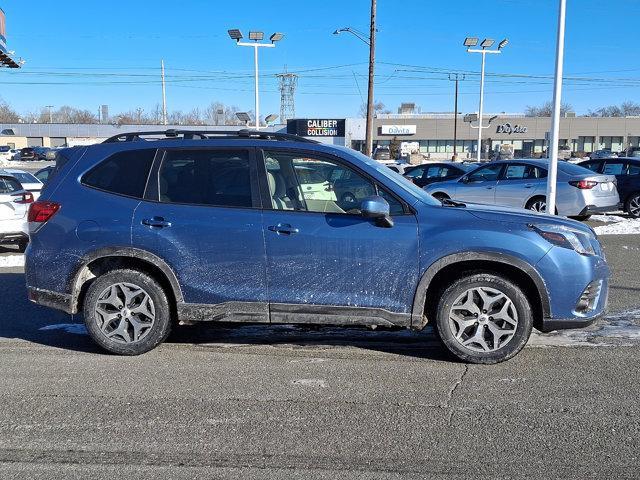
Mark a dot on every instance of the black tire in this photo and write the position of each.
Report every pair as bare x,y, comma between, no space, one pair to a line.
155,334
22,245
533,201
580,218
440,196
630,205
507,348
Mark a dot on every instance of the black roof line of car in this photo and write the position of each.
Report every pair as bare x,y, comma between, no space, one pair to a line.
205,135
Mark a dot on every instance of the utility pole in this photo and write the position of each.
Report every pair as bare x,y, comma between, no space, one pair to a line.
50,113
455,77
555,123
164,95
372,59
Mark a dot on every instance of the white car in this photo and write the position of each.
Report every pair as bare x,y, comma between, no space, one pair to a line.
28,181
6,153
14,207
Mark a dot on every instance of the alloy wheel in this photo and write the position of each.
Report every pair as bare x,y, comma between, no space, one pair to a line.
539,206
634,206
125,313
483,319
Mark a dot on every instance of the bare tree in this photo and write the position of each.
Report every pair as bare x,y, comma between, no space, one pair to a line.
546,110
7,114
378,108
626,109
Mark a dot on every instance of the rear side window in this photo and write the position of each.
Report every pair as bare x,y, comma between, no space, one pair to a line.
634,169
219,178
123,173
9,185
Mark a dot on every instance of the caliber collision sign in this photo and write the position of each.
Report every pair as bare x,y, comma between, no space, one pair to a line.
316,127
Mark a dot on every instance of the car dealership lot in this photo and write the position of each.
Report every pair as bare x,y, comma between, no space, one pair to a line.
282,401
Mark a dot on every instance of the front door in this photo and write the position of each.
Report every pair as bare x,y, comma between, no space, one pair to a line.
202,216
326,263
479,186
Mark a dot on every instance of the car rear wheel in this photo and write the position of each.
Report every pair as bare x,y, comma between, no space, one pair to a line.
484,318
127,312
632,205
537,204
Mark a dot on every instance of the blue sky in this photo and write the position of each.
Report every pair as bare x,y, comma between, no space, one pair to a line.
77,49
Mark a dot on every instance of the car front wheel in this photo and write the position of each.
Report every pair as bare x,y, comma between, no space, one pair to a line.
127,312
484,318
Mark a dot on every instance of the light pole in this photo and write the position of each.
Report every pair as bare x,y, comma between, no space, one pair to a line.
371,42
236,35
557,102
486,44
455,77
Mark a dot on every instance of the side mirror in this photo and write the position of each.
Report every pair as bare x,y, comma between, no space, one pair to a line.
377,208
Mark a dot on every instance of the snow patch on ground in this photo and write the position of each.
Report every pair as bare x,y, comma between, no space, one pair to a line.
619,329
11,261
75,328
617,225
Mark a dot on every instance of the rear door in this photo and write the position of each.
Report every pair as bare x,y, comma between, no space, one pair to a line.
326,263
479,186
201,214
520,182
619,168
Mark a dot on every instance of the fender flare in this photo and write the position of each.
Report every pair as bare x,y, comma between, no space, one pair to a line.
122,252
419,300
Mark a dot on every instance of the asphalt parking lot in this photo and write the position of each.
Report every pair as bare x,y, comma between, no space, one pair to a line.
221,401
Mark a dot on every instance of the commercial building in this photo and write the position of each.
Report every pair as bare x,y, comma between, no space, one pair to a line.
430,134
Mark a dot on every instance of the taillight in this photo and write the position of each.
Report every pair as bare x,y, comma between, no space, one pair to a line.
26,197
584,184
40,212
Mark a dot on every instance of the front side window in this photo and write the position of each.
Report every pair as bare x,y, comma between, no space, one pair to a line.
219,178
299,182
415,173
524,172
123,173
484,174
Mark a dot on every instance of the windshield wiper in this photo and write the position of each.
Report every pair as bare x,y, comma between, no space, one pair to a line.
447,202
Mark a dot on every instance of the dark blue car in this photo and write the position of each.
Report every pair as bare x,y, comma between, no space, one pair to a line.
627,172
255,227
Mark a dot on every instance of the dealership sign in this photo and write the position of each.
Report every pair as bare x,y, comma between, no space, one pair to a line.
398,129
316,127
510,129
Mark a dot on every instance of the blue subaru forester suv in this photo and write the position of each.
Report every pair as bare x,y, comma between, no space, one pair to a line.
145,231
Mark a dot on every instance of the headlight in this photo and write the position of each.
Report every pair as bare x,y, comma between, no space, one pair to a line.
566,237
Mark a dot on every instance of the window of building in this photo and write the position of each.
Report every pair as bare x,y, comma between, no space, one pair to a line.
320,185
206,177
123,173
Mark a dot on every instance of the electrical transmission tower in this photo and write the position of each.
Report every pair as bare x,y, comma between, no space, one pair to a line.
287,83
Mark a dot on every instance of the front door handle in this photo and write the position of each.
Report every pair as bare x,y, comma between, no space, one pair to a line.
528,185
489,188
283,229
157,222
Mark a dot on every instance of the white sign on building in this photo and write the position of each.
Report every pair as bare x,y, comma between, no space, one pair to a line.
398,129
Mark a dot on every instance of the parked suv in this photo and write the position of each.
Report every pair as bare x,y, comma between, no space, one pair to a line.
212,226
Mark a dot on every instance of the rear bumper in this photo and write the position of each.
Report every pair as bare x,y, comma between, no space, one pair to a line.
591,209
47,298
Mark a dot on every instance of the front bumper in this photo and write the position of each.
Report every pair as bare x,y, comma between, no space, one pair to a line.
551,324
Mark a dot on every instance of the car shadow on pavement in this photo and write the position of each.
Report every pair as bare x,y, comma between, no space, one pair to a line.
21,319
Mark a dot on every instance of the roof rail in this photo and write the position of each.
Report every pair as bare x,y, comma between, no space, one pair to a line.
207,134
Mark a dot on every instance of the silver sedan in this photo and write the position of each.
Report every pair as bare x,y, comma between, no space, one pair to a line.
523,183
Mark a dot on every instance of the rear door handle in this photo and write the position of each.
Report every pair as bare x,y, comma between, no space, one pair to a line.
157,222
528,185
283,229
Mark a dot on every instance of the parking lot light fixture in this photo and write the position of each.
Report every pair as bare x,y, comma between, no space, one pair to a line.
243,117
470,41
256,36
486,44
503,44
235,34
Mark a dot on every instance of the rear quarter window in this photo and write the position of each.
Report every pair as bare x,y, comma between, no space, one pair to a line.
124,173
9,185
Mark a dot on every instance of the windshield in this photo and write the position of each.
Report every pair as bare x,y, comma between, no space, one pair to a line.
394,177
